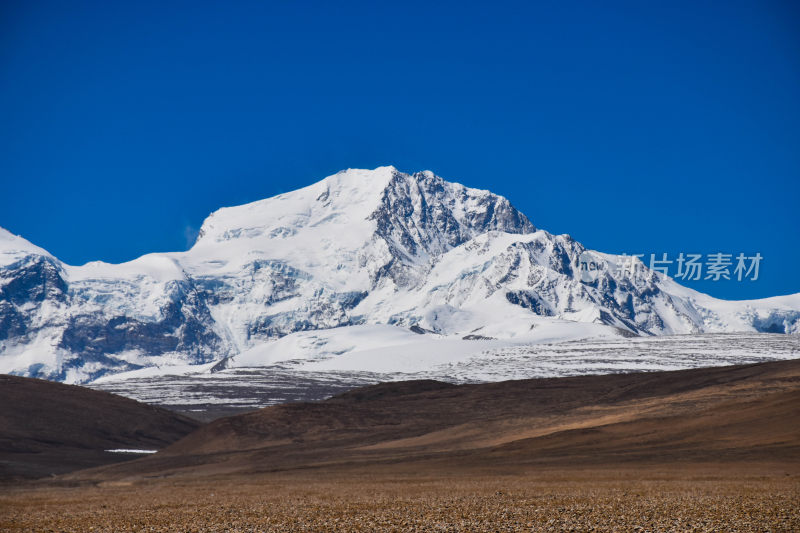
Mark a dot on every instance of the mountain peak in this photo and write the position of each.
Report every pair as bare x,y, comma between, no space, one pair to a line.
397,223
353,196
359,247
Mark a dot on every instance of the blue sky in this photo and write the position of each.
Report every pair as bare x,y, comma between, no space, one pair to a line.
636,127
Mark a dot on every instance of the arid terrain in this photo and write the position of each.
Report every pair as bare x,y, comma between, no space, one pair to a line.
714,449
707,498
49,428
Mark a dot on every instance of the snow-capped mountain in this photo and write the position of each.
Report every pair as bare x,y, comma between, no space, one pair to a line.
410,253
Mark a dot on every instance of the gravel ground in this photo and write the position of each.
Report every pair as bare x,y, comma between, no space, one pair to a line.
588,502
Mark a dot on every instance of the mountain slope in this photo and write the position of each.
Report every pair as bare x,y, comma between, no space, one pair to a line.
48,428
411,251
736,413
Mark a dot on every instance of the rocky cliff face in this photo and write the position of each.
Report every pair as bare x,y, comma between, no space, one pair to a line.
359,247
421,217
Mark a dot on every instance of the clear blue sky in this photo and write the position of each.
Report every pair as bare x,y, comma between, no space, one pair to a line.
635,127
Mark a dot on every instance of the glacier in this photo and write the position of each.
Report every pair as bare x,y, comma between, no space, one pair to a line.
196,389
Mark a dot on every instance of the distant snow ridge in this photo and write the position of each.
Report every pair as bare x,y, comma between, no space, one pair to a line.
380,247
